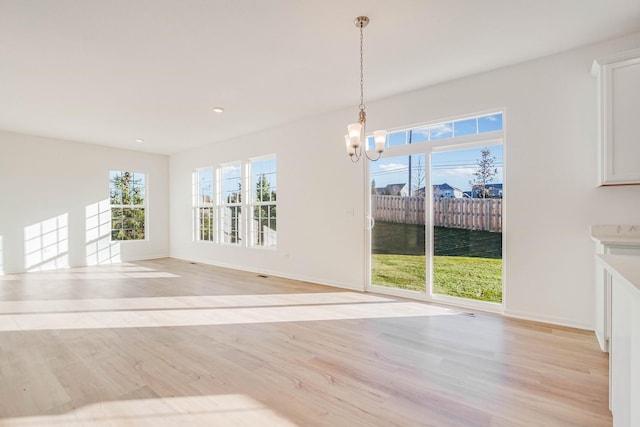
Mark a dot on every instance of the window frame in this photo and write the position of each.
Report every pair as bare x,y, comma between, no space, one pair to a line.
452,138
479,139
143,207
235,206
199,204
253,203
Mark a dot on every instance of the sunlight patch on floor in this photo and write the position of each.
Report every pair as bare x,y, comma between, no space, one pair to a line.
214,410
110,272
184,302
189,310
141,318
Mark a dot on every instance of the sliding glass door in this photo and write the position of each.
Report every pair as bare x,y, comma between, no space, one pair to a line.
466,219
436,213
398,226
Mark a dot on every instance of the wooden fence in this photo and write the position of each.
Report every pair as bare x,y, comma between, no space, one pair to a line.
470,214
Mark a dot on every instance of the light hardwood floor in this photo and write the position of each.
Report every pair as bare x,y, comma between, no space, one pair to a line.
167,342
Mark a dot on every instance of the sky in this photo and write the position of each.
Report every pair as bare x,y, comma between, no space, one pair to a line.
455,168
231,177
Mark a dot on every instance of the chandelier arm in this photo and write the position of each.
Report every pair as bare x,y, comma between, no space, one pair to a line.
373,159
357,154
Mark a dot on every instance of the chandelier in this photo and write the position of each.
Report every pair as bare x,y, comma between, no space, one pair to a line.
356,137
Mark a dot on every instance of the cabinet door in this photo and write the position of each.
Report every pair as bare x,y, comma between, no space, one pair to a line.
634,373
619,115
620,353
603,299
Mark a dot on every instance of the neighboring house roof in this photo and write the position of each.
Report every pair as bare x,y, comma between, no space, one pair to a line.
445,190
390,188
402,184
396,188
444,186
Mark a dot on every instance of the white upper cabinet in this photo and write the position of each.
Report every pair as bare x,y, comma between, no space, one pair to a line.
619,117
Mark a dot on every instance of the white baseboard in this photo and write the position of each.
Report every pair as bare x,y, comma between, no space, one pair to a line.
273,273
145,258
554,320
604,344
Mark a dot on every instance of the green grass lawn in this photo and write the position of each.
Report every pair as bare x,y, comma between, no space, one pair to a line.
408,239
467,263
466,277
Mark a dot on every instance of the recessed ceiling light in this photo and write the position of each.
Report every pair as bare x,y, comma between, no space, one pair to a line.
140,140
218,110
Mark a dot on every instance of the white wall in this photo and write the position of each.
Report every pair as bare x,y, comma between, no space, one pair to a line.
550,195
317,241
47,183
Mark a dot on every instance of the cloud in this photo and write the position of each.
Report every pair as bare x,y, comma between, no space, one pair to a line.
458,172
457,177
393,167
443,129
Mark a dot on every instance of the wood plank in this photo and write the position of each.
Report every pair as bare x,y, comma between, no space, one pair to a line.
255,351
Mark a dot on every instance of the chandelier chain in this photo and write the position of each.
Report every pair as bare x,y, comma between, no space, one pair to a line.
356,138
361,71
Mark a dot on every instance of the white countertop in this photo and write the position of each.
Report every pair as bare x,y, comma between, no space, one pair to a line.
625,267
621,235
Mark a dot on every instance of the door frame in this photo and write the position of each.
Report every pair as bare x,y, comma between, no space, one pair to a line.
427,148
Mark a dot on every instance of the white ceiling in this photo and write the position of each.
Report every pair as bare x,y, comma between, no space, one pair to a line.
112,71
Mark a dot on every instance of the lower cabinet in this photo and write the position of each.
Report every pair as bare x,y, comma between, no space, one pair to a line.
603,291
624,354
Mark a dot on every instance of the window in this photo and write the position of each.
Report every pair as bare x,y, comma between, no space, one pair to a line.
437,209
441,131
263,227
447,130
222,195
230,217
128,204
204,206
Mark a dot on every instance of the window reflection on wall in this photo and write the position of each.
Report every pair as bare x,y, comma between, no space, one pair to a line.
46,244
99,247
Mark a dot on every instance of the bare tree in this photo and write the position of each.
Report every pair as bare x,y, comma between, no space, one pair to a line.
484,175
418,179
